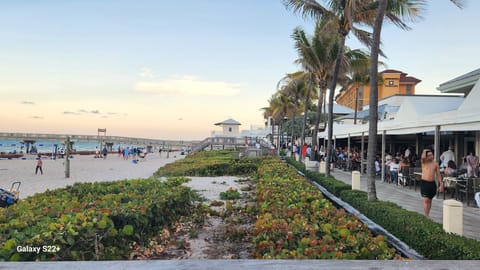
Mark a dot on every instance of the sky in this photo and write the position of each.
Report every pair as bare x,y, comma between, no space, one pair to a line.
172,69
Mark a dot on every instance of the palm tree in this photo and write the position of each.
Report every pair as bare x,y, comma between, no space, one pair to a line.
388,9
295,87
318,56
279,106
344,14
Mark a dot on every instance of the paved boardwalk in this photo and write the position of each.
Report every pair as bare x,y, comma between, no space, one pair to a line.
411,200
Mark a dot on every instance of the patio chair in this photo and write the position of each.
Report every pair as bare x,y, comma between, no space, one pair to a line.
404,176
464,190
412,182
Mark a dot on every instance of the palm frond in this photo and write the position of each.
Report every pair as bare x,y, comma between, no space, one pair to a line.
308,8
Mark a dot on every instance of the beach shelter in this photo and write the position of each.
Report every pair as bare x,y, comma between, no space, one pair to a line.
230,127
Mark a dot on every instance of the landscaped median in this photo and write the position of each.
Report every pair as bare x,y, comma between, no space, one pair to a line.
210,163
297,222
423,235
93,221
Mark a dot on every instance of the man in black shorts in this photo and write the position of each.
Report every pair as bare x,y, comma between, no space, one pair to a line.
428,188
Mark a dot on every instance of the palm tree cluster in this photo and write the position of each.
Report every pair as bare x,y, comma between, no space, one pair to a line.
326,63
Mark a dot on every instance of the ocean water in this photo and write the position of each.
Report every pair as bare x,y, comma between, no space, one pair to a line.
15,146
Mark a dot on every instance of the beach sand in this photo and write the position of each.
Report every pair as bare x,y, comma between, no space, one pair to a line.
82,169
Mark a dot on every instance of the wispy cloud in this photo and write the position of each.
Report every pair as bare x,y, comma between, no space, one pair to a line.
146,73
187,86
28,102
36,117
95,112
68,112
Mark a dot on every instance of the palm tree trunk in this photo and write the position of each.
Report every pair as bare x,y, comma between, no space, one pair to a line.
356,106
317,121
273,130
373,104
330,100
293,126
305,114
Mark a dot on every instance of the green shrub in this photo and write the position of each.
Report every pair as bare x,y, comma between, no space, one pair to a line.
296,222
230,194
414,229
90,221
210,163
420,233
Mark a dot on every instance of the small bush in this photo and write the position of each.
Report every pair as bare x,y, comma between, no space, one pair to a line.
230,194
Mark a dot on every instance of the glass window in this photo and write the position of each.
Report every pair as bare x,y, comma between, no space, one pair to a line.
409,89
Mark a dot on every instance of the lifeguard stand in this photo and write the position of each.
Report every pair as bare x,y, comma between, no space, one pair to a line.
102,133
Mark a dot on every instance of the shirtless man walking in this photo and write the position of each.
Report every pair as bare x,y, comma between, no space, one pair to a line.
428,188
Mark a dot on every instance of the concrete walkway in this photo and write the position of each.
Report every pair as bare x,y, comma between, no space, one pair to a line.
411,200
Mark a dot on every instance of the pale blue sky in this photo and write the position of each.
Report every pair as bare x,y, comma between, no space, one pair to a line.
171,69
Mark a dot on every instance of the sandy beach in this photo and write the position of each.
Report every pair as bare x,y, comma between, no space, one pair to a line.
82,169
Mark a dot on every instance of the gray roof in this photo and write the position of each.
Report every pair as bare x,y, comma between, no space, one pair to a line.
461,84
340,109
229,121
365,113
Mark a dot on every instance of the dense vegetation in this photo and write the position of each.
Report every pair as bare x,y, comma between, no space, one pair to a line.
420,233
296,222
107,220
210,163
89,221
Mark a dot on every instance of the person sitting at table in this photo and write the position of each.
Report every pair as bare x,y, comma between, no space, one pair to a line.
451,169
394,168
404,163
403,171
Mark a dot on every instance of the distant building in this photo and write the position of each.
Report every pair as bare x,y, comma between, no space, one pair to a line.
462,84
392,82
230,128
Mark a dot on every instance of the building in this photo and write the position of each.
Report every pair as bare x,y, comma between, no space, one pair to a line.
426,121
460,85
230,128
392,82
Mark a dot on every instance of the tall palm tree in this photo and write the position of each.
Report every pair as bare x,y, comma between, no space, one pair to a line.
279,105
386,9
345,13
317,55
295,87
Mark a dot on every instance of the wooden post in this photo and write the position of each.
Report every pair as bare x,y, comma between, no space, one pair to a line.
384,135
362,165
67,158
348,143
437,143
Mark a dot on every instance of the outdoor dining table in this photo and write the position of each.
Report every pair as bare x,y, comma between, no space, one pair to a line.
450,183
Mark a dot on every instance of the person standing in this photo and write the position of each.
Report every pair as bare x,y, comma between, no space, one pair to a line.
394,169
428,188
447,156
39,164
472,164
104,152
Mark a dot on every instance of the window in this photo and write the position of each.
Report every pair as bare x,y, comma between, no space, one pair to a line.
391,83
229,129
409,89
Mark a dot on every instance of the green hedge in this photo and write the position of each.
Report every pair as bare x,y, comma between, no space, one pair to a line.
417,231
210,163
90,221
